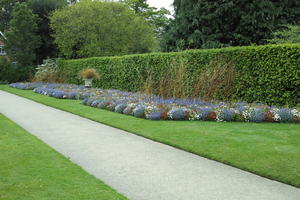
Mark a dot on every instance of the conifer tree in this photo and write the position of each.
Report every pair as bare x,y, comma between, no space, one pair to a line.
218,23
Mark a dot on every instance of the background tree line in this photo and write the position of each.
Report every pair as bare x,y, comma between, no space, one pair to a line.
37,29
220,23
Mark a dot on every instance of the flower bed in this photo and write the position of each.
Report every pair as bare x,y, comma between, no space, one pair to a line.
155,108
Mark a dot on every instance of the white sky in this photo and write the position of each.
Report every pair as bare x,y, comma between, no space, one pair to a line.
161,3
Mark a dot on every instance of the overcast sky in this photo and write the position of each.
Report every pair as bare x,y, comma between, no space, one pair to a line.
161,3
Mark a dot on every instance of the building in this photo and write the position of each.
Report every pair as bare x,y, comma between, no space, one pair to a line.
2,44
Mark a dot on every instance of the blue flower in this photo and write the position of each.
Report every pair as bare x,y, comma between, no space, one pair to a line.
285,115
177,114
139,111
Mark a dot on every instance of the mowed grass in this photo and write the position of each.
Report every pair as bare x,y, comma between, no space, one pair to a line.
31,170
268,149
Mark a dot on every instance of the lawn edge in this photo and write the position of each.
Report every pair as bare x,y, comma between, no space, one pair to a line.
61,155
257,173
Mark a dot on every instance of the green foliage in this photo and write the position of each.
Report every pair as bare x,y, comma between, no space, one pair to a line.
93,28
13,73
43,10
219,23
289,11
47,72
7,71
157,17
22,39
267,74
6,11
290,34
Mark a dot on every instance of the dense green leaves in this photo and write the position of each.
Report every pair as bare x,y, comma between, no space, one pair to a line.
157,17
269,74
6,11
210,24
93,28
43,9
22,38
290,34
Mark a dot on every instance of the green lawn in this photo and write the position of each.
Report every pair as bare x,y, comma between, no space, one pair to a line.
31,170
268,149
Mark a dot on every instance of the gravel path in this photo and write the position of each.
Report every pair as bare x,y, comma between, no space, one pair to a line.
139,168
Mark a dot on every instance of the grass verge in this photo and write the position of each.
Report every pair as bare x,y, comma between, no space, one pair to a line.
32,170
268,149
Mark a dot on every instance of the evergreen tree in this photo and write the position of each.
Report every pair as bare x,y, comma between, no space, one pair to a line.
218,23
22,37
43,9
5,12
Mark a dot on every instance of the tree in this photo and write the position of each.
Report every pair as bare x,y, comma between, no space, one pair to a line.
210,24
93,28
22,38
157,17
289,11
43,10
5,12
290,34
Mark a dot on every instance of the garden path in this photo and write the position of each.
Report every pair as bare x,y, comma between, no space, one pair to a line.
139,168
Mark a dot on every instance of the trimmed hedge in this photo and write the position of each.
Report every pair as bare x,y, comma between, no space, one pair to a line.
268,74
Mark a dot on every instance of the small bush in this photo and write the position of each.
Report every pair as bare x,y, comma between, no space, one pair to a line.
120,108
139,111
285,115
225,115
48,72
7,71
254,115
177,114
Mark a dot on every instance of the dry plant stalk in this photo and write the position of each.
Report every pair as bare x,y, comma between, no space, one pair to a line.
173,82
89,74
216,78
51,77
149,85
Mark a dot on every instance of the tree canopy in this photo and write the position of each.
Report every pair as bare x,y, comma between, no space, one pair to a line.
43,9
6,11
157,17
22,38
93,28
290,34
218,23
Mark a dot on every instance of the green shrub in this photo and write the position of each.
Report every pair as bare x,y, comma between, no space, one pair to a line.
47,72
7,71
10,72
269,74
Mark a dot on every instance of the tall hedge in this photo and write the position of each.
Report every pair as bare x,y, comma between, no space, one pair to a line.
268,74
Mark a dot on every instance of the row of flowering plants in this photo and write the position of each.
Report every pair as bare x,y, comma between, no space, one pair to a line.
155,108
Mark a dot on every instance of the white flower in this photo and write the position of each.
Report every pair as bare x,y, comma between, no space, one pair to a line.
275,113
296,113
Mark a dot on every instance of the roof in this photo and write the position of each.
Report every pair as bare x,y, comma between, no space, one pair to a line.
2,35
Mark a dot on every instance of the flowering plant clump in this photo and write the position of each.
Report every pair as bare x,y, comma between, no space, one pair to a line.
225,115
120,107
139,111
178,113
254,115
155,108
